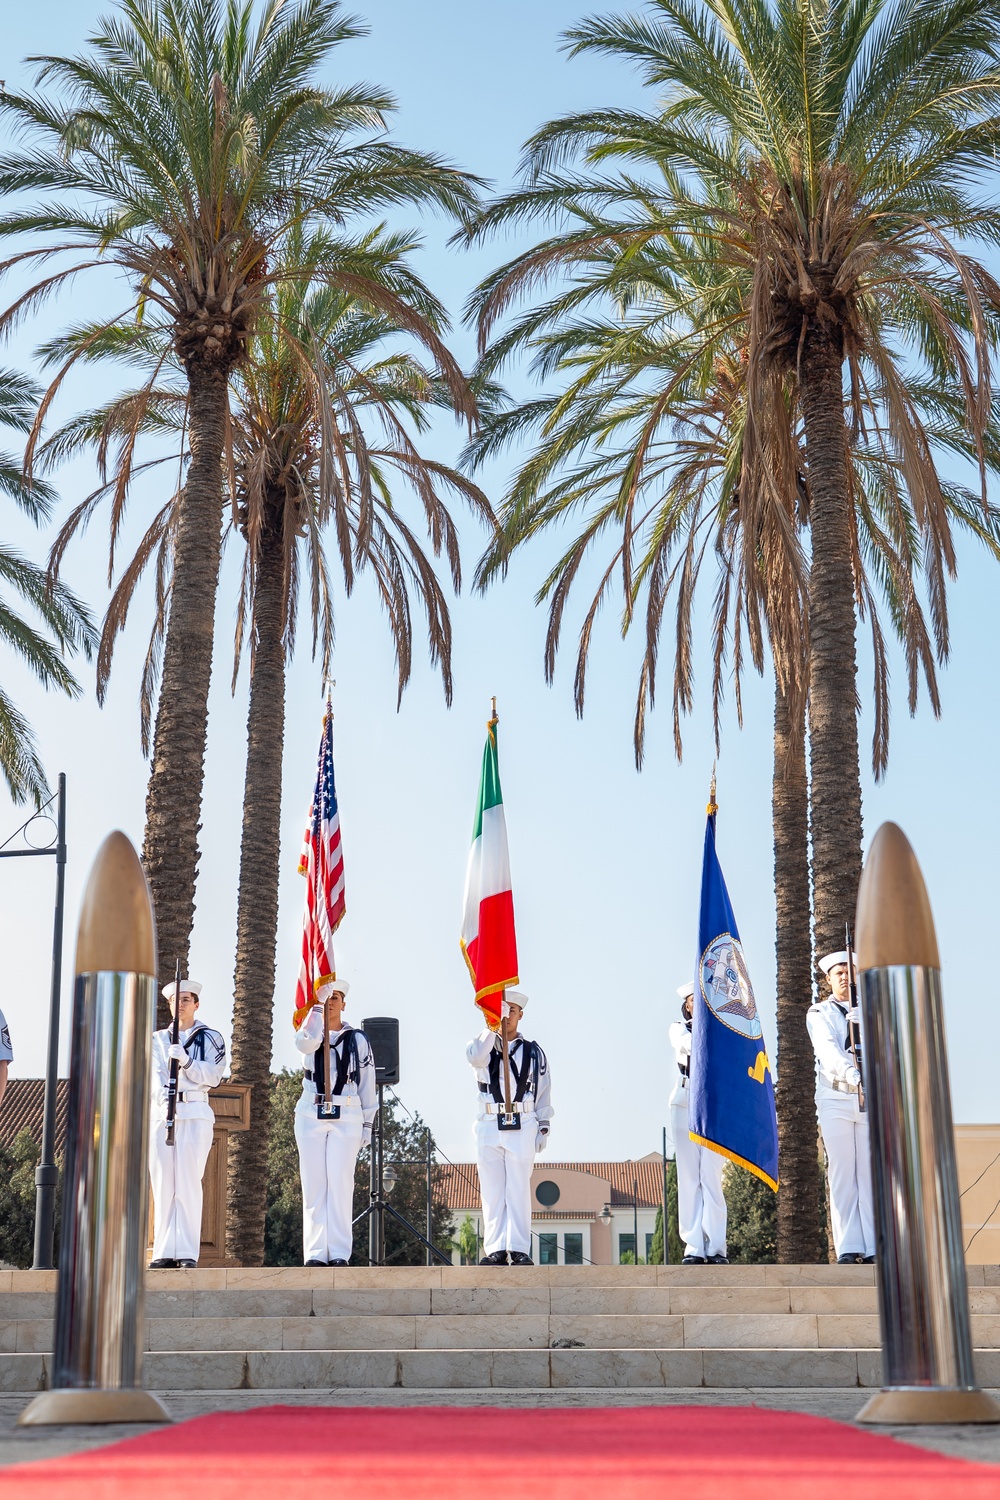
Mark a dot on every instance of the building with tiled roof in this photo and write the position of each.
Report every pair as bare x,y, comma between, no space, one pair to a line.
583,1212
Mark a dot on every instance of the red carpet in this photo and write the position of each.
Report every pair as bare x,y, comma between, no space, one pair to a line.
426,1453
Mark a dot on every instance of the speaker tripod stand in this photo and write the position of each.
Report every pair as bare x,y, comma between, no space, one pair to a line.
379,1206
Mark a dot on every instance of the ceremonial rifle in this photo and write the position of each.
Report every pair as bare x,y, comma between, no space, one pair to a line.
852,1028
175,1067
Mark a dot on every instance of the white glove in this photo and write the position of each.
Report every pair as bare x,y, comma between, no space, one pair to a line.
541,1140
854,1014
504,1009
366,1135
312,1026
177,1053
853,1077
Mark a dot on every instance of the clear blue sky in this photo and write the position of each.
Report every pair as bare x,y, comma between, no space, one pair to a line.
605,862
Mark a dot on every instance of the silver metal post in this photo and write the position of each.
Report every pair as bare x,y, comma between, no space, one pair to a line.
923,1295
928,1372
97,1366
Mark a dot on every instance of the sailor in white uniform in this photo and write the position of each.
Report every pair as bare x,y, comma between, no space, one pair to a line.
506,1157
844,1124
701,1203
329,1146
176,1171
6,1054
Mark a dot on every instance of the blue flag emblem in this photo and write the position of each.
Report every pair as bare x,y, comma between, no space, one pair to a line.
731,1089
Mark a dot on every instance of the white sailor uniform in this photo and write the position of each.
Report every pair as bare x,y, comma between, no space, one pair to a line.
328,1149
6,1050
176,1171
506,1157
844,1126
701,1203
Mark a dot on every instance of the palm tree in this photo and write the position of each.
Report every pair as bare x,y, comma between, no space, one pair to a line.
649,440
327,407
177,153
827,151
66,625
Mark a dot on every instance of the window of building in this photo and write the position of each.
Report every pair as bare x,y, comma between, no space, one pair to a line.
573,1252
626,1248
547,1193
548,1249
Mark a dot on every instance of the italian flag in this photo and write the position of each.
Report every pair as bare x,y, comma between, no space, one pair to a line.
488,939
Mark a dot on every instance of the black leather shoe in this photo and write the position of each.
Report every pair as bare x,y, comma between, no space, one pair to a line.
188,1265
315,1262
498,1258
867,1260
848,1260
717,1260
519,1258
694,1260
336,1262
162,1265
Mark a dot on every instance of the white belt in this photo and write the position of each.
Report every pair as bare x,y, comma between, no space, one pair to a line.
191,1096
843,1087
524,1108
350,1100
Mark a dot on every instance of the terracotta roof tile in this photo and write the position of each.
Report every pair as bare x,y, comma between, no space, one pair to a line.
22,1110
458,1182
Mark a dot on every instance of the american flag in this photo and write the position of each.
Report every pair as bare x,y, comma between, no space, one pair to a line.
322,863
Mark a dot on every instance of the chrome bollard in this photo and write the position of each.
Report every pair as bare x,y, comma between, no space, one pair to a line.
927,1365
99,1336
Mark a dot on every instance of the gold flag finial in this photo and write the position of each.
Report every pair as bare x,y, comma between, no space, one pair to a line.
713,806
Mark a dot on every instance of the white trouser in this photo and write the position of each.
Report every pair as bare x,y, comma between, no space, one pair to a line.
506,1159
845,1136
328,1152
175,1173
701,1204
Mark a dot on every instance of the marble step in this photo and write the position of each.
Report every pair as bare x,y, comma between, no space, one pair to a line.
471,1369
456,1302
528,1331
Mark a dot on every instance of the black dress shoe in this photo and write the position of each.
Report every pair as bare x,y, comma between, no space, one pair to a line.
848,1260
162,1265
717,1260
519,1258
188,1265
315,1262
867,1260
694,1260
498,1258
336,1262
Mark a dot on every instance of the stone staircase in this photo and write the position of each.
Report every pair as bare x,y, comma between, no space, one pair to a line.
537,1328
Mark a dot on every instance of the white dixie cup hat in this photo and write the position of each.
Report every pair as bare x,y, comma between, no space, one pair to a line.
188,987
686,991
831,960
516,997
332,987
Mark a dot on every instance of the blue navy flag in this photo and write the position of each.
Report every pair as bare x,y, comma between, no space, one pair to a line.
731,1106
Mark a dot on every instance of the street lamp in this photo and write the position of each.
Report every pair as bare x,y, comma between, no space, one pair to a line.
605,1216
389,1177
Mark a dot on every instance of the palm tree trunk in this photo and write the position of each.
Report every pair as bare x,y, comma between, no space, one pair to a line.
799,1239
834,772
173,796
257,913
